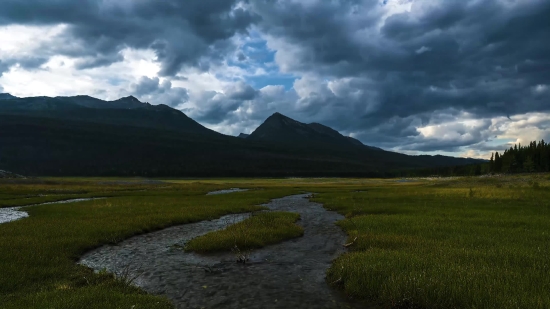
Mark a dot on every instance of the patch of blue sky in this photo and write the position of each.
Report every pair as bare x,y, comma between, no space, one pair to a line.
257,51
261,81
260,66
499,143
115,81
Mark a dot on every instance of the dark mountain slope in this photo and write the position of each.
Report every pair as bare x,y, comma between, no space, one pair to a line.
83,136
287,132
126,111
284,130
44,146
6,96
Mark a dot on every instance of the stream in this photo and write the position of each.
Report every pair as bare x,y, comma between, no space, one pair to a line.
286,275
9,214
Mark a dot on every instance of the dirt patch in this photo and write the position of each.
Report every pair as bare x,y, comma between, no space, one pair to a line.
287,275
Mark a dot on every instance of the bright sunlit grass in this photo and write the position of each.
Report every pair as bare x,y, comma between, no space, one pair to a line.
468,243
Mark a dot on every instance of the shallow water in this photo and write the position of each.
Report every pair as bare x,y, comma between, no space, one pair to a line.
14,213
11,214
287,275
226,191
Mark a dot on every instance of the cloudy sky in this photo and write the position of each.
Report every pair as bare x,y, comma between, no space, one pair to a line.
459,77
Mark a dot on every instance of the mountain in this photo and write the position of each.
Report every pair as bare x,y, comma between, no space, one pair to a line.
127,111
6,96
243,135
129,102
279,128
84,136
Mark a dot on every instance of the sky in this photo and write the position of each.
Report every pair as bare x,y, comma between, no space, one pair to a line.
455,77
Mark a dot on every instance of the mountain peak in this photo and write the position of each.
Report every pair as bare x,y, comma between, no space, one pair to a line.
7,96
277,115
130,98
282,129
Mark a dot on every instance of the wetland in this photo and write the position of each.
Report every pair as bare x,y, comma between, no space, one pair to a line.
465,242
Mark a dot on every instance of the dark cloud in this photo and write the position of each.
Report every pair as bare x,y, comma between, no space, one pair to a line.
192,32
241,91
240,108
481,57
4,67
215,107
379,78
154,91
29,63
241,57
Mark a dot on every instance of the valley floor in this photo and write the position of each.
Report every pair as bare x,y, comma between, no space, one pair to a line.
478,242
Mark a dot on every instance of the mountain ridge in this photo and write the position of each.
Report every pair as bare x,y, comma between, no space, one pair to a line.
82,135
124,111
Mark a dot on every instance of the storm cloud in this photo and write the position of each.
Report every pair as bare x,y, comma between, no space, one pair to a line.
153,91
411,75
193,32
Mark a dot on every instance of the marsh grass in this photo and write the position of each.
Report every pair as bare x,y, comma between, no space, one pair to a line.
260,230
472,243
38,254
479,242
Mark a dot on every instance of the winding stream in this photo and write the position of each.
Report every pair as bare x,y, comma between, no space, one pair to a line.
231,190
287,275
9,214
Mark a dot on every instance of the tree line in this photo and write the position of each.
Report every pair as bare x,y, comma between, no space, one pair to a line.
527,159
518,159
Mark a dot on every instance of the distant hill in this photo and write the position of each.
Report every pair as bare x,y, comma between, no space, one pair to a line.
243,135
85,136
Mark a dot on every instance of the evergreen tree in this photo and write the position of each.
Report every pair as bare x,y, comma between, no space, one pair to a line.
498,163
532,158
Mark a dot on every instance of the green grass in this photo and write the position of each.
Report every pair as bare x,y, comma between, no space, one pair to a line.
38,254
443,243
258,231
471,243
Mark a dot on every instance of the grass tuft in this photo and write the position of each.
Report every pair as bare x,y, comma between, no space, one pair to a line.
258,231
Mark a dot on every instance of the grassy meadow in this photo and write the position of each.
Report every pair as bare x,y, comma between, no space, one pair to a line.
466,243
424,243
